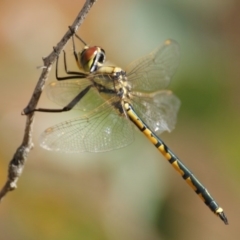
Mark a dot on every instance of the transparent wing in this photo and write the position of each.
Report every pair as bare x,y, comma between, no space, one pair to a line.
103,129
158,110
154,71
63,92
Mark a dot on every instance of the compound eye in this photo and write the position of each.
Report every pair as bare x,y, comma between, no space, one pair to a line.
92,58
87,57
102,56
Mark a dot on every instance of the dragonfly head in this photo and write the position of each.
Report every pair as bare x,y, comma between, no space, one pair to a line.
92,58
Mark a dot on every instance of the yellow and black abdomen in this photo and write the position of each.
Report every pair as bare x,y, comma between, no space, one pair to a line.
186,174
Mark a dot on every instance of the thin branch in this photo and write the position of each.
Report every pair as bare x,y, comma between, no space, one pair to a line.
17,163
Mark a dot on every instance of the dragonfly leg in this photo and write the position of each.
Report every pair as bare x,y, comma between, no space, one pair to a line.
64,109
73,74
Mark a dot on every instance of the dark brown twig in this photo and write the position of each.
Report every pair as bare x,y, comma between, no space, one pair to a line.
17,163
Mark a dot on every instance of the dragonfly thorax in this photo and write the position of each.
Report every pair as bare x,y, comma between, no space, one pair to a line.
122,85
112,80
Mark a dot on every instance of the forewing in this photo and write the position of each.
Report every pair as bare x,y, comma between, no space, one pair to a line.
63,92
158,110
103,129
154,71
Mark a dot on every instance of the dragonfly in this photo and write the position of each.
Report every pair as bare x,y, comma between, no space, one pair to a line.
111,101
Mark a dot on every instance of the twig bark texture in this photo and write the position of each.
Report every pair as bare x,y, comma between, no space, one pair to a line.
17,163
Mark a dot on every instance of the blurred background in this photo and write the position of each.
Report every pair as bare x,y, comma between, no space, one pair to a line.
131,193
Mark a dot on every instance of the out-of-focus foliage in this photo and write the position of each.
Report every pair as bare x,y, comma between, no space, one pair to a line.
130,193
